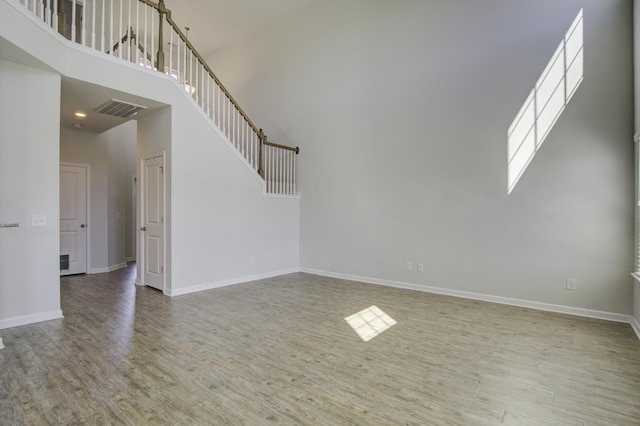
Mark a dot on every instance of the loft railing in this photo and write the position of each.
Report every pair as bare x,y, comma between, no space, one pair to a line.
135,31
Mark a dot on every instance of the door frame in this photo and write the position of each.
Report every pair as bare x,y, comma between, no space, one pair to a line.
87,167
140,254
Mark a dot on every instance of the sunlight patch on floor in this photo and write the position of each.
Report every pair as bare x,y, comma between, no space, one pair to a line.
370,322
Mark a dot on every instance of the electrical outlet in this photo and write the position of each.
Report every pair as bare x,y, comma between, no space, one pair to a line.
571,283
38,220
420,267
407,266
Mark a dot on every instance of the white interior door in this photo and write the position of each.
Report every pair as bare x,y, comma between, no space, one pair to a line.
73,217
153,222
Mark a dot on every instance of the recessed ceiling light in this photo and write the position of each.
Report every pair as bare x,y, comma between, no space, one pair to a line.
80,114
77,126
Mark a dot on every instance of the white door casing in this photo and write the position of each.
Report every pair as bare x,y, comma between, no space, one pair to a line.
73,216
152,230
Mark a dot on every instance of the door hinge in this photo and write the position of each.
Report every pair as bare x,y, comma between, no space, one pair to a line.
162,269
162,169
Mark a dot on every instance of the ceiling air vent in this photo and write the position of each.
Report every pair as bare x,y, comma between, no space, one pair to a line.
119,108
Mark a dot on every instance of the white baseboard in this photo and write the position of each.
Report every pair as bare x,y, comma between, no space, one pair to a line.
636,326
30,319
138,282
570,310
225,283
107,269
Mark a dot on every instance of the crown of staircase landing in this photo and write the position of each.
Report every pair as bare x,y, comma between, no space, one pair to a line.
137,31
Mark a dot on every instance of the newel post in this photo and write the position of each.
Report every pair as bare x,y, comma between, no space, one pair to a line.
262,137
160,58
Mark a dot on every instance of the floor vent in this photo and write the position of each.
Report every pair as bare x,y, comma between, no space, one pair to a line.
119,108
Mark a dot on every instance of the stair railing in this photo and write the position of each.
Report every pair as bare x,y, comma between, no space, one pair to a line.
135,31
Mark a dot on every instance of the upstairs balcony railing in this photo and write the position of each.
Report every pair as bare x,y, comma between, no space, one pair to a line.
143,32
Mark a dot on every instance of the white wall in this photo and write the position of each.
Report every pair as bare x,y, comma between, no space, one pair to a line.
224,229
401,110
121,148
29,184
111,157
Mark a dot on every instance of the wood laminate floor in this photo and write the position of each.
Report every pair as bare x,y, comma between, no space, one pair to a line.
278,351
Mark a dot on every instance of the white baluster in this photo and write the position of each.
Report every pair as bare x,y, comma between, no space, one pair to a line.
93,24
272,172
280,173
54,15
73,20
243,133
171,52
47,12
236,140
119,34
137,30
144,38
152,54
129,35
83,33
288,167
295,189
267,167
293,173
111,49
224,114
103,30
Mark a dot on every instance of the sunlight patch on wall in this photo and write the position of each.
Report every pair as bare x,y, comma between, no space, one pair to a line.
542,108
370,322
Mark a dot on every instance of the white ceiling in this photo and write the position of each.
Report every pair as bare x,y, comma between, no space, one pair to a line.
79,96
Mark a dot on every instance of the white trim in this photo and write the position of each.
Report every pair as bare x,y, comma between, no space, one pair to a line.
635,325
266,194
30,319
88,210
107,269
1,345
141,255
570,310
228,282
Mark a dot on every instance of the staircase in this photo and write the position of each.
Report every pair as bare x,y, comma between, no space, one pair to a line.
138,31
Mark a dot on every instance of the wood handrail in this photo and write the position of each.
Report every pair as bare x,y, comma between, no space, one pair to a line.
295,149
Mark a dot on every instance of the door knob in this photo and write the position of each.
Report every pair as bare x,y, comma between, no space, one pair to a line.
83,225
144,228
